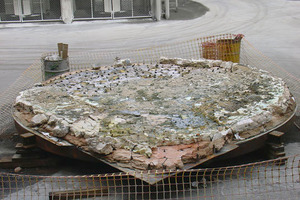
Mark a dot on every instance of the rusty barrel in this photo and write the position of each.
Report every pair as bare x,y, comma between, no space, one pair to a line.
209,50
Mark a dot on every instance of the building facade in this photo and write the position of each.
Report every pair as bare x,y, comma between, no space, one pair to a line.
70,10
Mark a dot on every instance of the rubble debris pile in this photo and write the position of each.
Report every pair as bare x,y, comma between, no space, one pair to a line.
154,116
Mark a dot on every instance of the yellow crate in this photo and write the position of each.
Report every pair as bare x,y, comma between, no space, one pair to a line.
229,50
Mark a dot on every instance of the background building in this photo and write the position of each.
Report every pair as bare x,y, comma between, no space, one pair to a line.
69,10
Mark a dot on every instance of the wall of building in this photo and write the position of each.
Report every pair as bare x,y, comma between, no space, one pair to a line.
69,10
29,10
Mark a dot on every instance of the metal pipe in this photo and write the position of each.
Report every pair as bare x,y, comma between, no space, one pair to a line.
167,9
158,10
132,8
92,9
41,9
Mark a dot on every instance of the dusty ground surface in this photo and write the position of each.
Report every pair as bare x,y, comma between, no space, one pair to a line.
273,27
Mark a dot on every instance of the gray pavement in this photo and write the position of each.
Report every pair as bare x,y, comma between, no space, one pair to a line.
271,26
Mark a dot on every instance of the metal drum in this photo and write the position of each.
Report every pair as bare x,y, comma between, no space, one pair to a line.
52,68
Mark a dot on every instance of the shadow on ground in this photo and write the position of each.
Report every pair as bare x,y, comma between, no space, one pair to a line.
188,10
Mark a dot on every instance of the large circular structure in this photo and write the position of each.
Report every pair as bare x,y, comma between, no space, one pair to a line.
153,116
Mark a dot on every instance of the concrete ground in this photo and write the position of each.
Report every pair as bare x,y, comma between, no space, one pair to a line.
273,27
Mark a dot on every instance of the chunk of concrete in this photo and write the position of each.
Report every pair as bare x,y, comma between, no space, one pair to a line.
86,127
103,148
39,119
121,155
61,129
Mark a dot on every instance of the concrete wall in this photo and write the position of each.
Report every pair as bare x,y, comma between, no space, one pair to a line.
67,12
158,7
